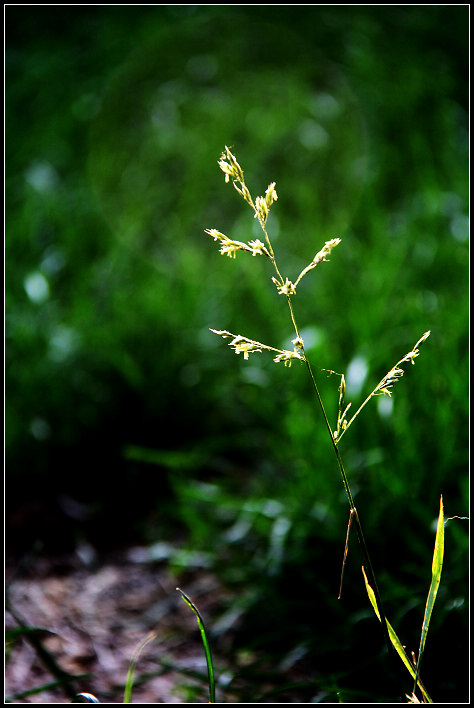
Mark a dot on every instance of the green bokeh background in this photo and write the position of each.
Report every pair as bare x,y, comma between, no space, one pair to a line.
126,419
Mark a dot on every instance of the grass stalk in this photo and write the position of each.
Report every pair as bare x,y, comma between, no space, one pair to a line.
127,697
207,647
243,345
355,517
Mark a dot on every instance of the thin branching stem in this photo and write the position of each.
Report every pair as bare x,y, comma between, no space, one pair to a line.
385,384
277,270
353,509
345,481
231,168
360,533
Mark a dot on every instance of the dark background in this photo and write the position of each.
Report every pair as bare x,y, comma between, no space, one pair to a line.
127,421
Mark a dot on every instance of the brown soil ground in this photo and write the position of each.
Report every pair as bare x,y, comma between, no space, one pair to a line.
96,617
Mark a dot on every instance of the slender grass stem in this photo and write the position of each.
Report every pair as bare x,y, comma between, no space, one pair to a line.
354,512
127,697
260,207
346,549
345,481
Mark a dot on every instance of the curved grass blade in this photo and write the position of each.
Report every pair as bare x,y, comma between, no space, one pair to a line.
44,655
127,697
207,648
12,634
395,640
436,568
16,697
346,549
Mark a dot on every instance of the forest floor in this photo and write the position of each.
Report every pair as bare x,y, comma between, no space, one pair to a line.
96,617
95,614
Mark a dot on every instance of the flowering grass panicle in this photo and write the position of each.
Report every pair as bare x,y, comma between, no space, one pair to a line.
247,346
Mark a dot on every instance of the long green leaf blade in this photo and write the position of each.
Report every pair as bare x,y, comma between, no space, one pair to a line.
207,648
395,640
436,568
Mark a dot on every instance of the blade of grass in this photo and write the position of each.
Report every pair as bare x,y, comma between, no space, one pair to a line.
207,648
351,516
15,697
44,655
12,634
436,568
395,640
127,697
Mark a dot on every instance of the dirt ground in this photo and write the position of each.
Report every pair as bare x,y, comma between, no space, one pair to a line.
96,616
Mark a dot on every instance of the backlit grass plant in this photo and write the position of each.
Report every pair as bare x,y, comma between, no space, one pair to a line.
244,345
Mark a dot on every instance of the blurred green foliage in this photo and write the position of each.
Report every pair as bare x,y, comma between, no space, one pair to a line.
115,119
